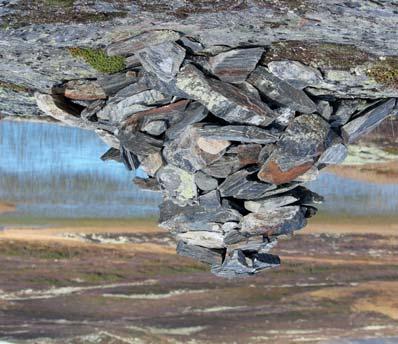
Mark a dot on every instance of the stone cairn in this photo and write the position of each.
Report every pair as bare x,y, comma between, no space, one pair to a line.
229,141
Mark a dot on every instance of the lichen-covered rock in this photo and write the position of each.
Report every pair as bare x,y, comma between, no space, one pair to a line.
223,100
295,73
280,91
180,184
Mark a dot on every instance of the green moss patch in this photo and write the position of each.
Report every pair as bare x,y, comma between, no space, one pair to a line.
323,55
97,59
386,72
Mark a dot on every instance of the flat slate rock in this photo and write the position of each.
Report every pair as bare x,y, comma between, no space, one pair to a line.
84,90
295,73
367,120
179,184
269,203
118,110
274,222
192,152
223,100
203,254
239,133
203,238
113,83
223,167
168,114
303,142
280,91
235,65
238,185
137,142
131,45
163,60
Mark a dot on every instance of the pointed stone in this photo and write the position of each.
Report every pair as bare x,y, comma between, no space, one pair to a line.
325,109
262,261
163,60
367,121
131,45
278,221
298,149
223,100
111,154
139,143
90,111
179,184
235,65
151,163
191,44
203,254
280,91
194,113
345,109
235,265
239,186
239,133
193,152
335,154
147,183
295,73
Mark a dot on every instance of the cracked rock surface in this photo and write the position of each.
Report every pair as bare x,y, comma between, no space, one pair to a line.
229,139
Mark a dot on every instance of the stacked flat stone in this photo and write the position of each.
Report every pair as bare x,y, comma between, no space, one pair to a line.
227,140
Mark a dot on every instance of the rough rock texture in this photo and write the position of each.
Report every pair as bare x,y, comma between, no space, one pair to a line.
190,72
229,161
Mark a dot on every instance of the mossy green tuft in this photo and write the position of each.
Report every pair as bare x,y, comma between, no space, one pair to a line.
99,60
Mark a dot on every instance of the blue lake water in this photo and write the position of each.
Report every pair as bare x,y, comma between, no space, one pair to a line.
55,171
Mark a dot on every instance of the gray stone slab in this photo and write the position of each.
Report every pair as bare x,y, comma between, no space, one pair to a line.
280,91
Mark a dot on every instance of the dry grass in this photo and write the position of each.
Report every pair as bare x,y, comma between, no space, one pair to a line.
370,297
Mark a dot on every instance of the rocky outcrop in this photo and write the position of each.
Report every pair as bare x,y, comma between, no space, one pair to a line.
228,138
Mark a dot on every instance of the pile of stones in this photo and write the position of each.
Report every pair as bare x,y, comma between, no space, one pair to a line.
228,140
